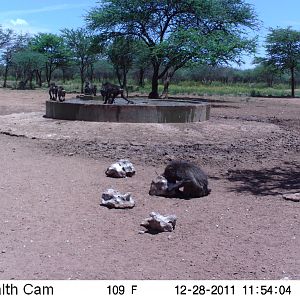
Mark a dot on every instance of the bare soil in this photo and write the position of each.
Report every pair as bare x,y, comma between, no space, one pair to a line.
52,177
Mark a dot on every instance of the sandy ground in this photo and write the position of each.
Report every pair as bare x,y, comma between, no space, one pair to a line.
52,177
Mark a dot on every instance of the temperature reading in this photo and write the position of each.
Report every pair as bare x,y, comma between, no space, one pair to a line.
116,289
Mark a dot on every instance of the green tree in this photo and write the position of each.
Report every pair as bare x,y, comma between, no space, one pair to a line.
178,32
6,44
265,71
103,70
121,54
15,43
141,61
5,36
81,44
26,63
283,51
52,46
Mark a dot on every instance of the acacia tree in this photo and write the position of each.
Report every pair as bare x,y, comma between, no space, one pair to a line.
265,71
26,63
141,61
10,42
5,36
177,32
283,51
121,54
52,46
6,43
81,44
16,43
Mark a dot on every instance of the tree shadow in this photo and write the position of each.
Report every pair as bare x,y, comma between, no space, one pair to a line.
265,182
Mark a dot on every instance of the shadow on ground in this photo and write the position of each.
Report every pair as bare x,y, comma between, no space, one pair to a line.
264,182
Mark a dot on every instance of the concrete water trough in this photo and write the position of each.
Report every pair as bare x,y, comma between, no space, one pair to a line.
141,111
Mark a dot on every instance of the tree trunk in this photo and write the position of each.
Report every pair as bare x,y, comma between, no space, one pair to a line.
270,81
119,76
293,81
82,82
155,77
39,78
124,85
63,75
30,81
82,75
5,76
48,77
91,73
141,77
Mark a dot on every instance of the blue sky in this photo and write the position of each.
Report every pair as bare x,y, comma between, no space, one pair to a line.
276,13
52,15
35,16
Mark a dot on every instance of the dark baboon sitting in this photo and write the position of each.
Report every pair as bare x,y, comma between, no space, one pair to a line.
186,180
53,89
110,91
61,94
87,89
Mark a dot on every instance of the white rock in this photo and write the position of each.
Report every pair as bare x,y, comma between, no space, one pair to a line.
292,197
159,223
113,199
121,169
159,187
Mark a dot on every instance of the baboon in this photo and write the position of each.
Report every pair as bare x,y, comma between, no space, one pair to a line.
61,94
53,89
110,91
87,89
186,180
103,94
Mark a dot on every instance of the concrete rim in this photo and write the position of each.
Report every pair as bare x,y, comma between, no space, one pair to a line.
92,110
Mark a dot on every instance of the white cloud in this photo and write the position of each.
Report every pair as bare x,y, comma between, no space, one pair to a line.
40,10
17,19
19,22
22,26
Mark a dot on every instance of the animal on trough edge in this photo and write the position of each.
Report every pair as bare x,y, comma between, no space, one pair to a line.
61,94
53,90
110,91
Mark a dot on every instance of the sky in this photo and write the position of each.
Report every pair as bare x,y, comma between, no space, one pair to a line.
275,13
36,16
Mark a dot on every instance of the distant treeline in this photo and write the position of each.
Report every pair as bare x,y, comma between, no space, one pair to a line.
153,44
102,71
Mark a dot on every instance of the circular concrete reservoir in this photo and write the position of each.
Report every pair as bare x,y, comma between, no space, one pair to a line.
141,111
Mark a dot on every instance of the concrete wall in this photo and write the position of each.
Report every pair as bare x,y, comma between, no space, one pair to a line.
127,113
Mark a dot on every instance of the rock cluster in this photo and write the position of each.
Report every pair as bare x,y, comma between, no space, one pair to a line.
113,199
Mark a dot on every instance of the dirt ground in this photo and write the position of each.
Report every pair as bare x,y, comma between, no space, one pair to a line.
52,178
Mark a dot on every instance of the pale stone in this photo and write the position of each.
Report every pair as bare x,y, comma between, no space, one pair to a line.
113,199
160,187
292,197
121,169
159,223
